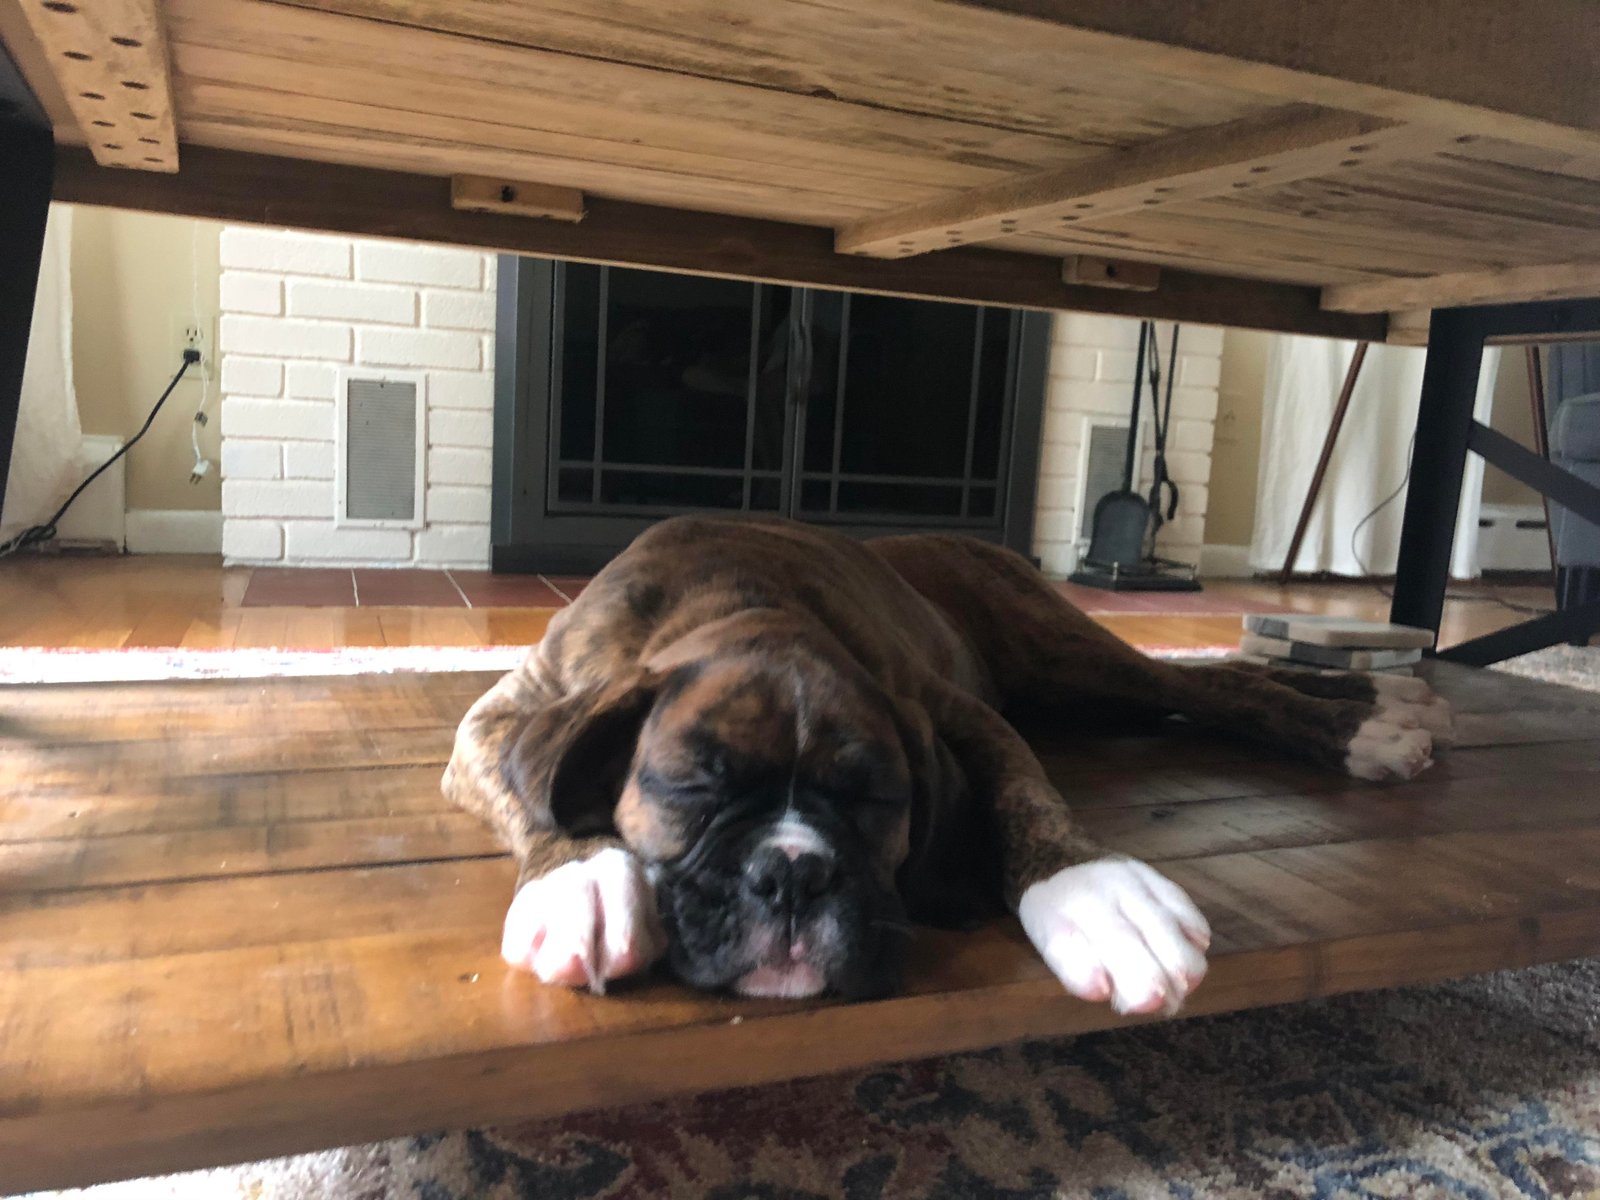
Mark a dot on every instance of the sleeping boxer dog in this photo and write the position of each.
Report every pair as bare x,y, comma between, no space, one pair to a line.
762,750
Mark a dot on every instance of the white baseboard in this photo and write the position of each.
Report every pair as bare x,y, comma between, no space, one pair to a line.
1225,562
174,531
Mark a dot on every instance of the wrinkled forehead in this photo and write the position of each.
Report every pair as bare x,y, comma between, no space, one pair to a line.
732,709
745,713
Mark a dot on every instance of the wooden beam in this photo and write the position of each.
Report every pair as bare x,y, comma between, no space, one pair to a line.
1558,281
228,186
1525,73
1409,327
479,193
18,40
1262,151
110,61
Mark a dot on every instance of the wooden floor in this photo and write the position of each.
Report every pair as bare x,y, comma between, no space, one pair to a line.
237,919
196,603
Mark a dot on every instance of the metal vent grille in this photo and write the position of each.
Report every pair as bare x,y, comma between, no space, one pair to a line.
380,476
1102,470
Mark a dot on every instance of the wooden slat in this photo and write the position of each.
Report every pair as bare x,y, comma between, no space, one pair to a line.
901,55
1265,245
159,1010
1437,206
478,193
107,762
1557,281
110,61
1425,61
589,110
86,808
429,1021
1264,151
712,1045
59,865
370,203
1055,63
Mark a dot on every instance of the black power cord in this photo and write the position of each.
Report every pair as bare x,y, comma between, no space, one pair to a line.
43,533
1524,609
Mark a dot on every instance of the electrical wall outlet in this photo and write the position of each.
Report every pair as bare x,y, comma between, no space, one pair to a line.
187,335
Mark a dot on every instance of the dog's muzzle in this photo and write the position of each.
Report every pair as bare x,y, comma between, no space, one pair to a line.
781,909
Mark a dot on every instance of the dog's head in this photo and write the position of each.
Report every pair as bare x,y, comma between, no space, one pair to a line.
765,778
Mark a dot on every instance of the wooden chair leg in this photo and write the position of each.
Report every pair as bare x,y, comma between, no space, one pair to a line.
27,149
1350,377
1541,440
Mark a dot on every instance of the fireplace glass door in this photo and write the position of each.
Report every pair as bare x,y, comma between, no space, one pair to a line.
625,396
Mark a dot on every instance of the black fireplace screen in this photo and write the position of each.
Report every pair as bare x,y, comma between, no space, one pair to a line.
624,396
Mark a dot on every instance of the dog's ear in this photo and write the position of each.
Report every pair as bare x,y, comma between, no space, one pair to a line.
574,753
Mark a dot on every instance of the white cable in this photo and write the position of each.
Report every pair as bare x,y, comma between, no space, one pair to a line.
201,463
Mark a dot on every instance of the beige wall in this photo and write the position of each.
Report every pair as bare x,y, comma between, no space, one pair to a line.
1236,448
1236,452
133,277
1513,416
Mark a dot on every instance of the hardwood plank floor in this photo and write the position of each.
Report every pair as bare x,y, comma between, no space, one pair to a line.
162,600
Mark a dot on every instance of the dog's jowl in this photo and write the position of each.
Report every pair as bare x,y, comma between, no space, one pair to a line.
765,752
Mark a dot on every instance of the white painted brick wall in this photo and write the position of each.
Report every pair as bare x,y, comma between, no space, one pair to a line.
418,348
458,505
282,252
251,292
295,309
310,381
246,459
458,310
458,465
276,497
432,266
243,376
252,541
277,338
1092,361
308,460
355,302
462,389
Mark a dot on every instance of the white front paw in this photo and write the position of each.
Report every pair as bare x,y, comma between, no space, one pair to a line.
1117,930
585,922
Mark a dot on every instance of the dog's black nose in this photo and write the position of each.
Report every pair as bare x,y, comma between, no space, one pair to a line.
784,884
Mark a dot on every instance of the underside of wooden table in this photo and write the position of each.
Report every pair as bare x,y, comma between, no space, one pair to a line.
238,920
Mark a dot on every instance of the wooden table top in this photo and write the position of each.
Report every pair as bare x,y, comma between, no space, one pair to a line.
1284,164
237,919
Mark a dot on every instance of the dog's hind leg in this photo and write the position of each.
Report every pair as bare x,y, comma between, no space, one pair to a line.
1042,652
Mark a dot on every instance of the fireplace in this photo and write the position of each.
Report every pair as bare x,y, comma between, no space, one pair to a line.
626,396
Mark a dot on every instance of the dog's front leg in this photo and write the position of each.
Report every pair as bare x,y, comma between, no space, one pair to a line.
584,911
1109,927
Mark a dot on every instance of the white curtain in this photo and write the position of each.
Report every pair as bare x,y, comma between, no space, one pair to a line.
1304,377
45,463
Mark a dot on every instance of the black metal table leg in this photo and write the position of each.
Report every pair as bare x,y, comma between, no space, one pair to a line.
1446,433
1444,426
27,167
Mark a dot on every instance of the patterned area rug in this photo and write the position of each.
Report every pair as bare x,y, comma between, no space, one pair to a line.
1485,1089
